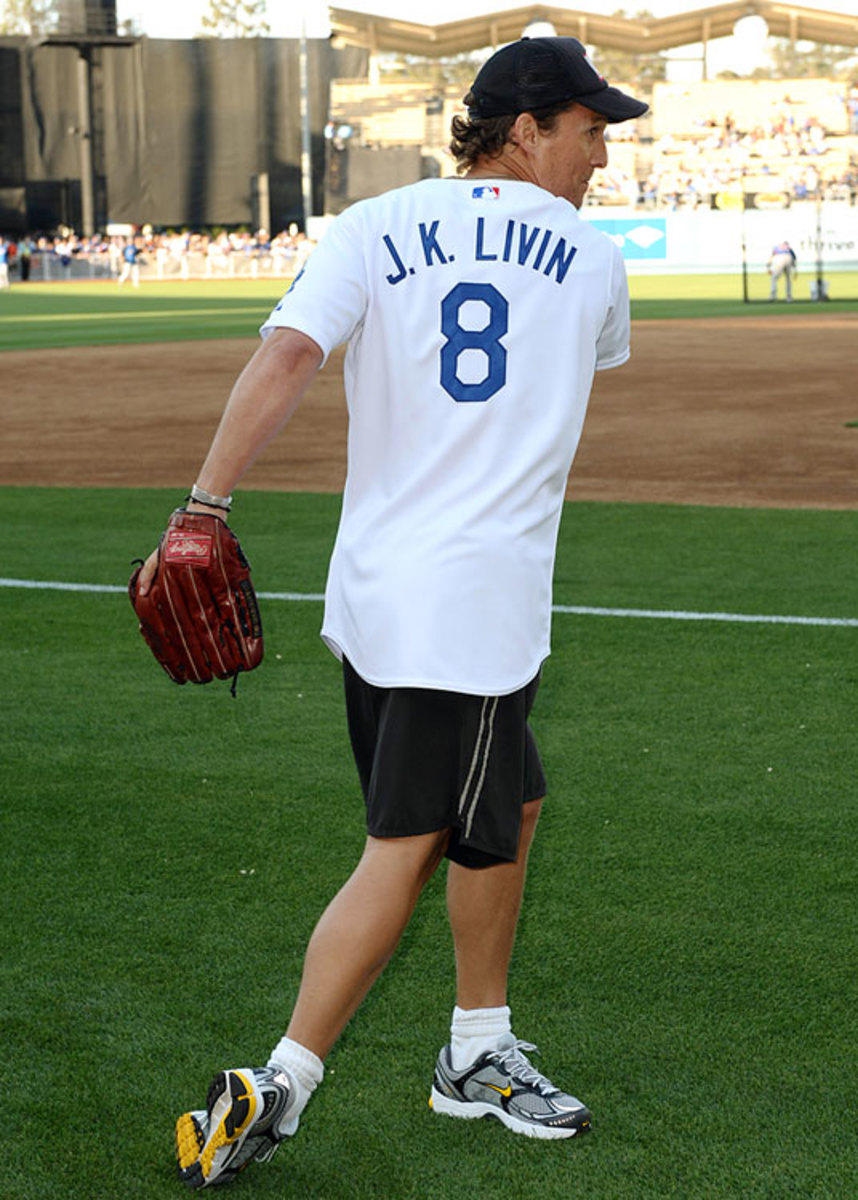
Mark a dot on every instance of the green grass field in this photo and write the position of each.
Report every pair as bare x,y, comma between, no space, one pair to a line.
686,952
43,315
663,297
80,314
686,955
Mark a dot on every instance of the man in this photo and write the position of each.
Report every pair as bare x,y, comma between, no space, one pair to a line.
25,257
476,310
131,255
782,261
5,260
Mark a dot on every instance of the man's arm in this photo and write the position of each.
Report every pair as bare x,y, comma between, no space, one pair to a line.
264,397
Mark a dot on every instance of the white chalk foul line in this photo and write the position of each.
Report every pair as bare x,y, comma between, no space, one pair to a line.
47,585
678,615
577,610
316,597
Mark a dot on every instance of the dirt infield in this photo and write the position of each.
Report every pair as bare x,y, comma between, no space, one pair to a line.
751,411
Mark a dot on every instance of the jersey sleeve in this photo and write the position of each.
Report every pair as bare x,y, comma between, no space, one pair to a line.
328,298
612,344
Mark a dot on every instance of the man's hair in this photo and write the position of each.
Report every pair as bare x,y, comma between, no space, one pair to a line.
485,137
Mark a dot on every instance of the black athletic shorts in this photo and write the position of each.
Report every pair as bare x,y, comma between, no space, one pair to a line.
431,760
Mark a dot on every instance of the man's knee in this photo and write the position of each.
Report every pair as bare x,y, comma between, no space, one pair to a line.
418,856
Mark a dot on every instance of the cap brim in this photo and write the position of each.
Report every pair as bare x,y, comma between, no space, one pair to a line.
610,102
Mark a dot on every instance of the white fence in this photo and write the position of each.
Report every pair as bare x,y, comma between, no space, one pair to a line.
49,266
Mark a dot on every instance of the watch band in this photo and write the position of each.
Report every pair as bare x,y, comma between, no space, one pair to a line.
203,497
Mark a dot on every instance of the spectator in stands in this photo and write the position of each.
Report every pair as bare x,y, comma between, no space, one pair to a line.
782,262
64,248
162,256
852,109
262,255
114,255
303,248
180,250
25,256
282,253
810,178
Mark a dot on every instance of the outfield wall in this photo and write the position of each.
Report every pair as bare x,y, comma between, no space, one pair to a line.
706,241
187,133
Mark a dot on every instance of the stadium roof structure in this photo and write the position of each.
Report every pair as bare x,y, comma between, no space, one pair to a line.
384,35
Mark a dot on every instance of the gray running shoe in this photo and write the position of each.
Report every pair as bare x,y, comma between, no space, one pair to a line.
240,1125
503,1083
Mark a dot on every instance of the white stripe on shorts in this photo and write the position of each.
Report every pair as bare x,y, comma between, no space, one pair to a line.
479,762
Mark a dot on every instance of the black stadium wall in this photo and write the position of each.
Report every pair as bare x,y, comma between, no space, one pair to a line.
181,131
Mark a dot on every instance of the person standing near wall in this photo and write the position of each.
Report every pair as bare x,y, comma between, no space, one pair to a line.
131,262
782,262
4,262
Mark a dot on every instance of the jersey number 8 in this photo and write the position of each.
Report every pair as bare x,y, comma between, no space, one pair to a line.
486,341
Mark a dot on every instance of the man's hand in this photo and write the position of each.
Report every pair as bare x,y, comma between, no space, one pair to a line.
195,601
150,566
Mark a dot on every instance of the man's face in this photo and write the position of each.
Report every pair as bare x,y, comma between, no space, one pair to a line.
565,158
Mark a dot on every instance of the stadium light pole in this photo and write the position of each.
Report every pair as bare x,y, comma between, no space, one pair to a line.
744,241
84,134
86,44
306,138
821,286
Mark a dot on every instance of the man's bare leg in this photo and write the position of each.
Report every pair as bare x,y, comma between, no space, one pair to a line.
484,1070
483,907
357,934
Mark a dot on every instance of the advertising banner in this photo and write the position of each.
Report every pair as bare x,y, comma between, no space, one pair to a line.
705,240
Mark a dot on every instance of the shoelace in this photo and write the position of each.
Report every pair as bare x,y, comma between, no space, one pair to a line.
514,1062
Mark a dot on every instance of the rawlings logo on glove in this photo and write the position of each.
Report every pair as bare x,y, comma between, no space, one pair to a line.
200,616
187,547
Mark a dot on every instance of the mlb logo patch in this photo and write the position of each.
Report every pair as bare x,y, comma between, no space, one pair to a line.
593,67
485,192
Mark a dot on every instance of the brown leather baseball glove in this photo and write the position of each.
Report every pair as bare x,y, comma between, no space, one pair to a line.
200,616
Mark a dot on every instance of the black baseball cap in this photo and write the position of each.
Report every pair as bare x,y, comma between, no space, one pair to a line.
538,72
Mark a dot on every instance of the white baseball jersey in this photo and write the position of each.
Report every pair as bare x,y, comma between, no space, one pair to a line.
475,312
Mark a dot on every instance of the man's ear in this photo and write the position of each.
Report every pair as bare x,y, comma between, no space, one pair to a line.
524,131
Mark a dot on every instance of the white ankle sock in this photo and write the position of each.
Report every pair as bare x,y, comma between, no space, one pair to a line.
475,1030
305,1071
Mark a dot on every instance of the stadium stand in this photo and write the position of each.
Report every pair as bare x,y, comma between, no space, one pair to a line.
778,141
